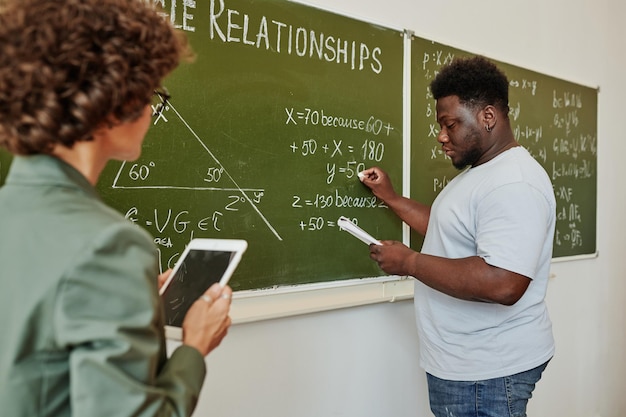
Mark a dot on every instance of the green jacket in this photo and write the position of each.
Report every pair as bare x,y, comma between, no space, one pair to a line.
81,324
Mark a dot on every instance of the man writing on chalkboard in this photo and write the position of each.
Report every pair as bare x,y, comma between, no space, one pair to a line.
482,274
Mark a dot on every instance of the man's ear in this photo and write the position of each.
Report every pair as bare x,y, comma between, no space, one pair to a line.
489,117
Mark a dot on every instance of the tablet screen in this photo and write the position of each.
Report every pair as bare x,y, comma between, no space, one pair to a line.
198,271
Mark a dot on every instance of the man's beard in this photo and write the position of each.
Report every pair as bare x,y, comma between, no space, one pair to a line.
472,154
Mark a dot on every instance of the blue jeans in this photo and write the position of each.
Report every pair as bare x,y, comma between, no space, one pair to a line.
498,397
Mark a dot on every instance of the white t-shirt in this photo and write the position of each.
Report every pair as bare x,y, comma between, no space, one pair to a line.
503,211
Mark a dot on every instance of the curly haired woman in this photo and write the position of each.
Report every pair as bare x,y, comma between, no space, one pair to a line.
81,320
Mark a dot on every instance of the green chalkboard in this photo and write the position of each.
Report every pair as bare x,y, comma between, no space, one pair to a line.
284,104
265,134
554,119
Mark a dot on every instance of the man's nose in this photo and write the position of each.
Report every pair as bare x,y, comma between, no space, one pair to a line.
442,137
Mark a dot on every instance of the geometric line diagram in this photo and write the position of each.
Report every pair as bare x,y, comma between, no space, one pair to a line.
236,186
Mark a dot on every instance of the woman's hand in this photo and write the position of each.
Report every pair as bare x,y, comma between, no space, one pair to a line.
162,278
207,321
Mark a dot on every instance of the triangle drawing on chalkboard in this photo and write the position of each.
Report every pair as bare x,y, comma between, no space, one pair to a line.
157,169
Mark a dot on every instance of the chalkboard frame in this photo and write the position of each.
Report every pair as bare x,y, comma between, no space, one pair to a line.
269,303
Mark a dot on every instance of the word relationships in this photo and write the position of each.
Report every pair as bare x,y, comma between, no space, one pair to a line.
232,26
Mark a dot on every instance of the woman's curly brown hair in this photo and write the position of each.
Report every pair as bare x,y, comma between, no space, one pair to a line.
69,66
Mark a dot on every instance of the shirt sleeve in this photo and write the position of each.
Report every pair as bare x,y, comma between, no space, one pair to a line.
110,320
513,225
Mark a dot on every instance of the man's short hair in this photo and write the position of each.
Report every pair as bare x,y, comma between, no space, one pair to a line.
477,82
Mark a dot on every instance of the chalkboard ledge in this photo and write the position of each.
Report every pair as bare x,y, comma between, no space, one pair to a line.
303,299
257,305
576,257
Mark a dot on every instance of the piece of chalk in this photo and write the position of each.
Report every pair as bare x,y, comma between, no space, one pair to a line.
361,175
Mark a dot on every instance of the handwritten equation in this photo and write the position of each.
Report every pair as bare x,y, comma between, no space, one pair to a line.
336,160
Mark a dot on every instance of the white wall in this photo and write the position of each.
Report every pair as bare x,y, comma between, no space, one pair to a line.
361,361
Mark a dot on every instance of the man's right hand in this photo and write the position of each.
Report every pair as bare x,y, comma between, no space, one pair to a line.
378,181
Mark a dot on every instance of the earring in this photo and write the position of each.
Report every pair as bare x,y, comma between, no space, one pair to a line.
488,128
